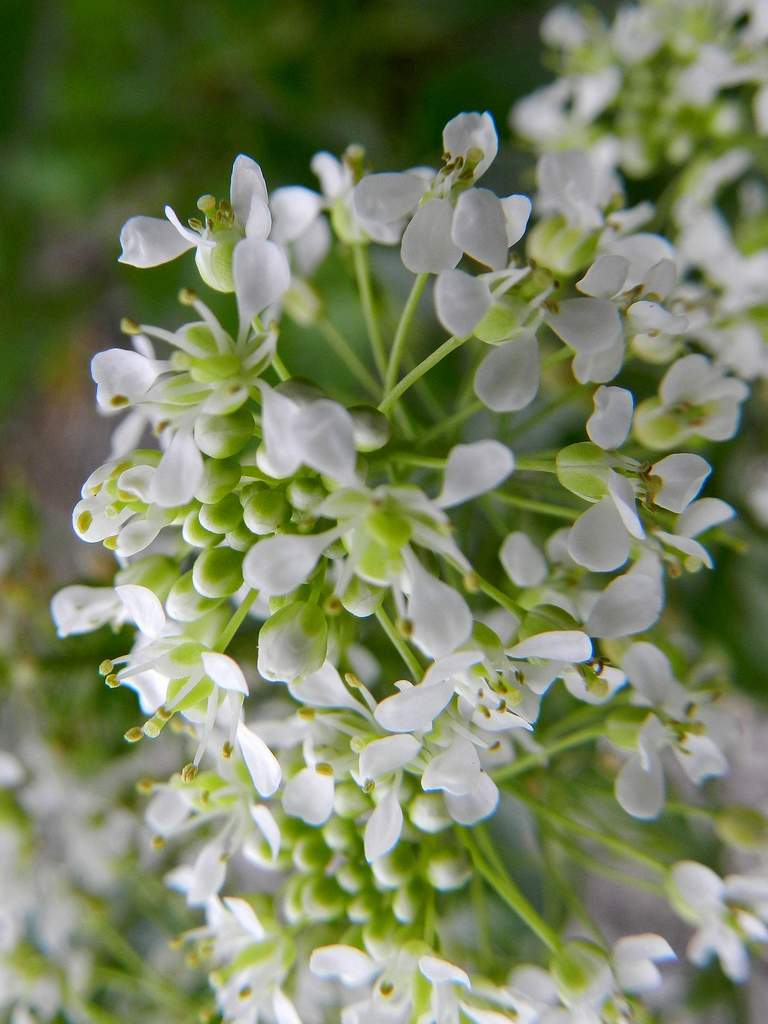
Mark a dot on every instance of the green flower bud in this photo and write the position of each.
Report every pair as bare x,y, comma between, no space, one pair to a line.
427,812
584,469
218,572
659,428
361,599
553,244
744,828
292,642
241,538
408,902
349,801
184,603
396,867
364,907
302,303
220,478
370,427
265,510
352,877
195,534
623,726
580,968
340,834
215,263
322,899
310,853
447,870
223,516
305,494
223,436
157,572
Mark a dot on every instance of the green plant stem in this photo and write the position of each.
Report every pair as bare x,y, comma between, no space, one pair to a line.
502,599
281,369
532,465
540,758
557,357
616,846
544,507
227,634
403,327
398,390
363,277
348,356
508,891
399,643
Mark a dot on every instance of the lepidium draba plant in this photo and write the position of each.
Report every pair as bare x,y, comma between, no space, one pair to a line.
424,670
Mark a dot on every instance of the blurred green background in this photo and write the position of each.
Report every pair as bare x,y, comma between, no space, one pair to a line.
113,108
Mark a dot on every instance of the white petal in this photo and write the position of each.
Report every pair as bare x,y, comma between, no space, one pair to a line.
384,198
480,227
277,565
427,245
245,916
473,807
207,875
470,131
698,886
261,275
640,792
605,277
387,755
266,824
629,604
246,185
414,708
682,476
144,608
523,562
441,618
623,496
323,689
294,208
440,971
350,965
474,469
507,379
324,438
702,515
121,372
284,1010
689,547
461,301
309,796
609,424
455,770
80,609
587,325
179,473
224,672
383,828
598,539
262,765
150,241
633,959
517,210
558,644
701,758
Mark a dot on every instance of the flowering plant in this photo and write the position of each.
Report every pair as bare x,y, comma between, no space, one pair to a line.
413,628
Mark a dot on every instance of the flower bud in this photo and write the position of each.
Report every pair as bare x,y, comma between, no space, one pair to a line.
370,428
448,869
196,534
744,828
360,598
218,572
184,603
292,642
265,510
219,479
224,436
214,263
223,516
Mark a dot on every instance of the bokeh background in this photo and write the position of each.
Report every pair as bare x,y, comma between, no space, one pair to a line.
112,108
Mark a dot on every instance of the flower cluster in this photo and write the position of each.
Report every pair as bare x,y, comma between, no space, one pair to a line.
425,641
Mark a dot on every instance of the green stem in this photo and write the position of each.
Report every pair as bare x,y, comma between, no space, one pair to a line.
508,891
395,392
531,505
398,642
534,465
540,758
556,357
495,594
227,634
616,846
281,369
403,327
363,276
348,356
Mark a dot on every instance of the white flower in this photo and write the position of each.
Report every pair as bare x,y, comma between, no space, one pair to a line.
727,913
